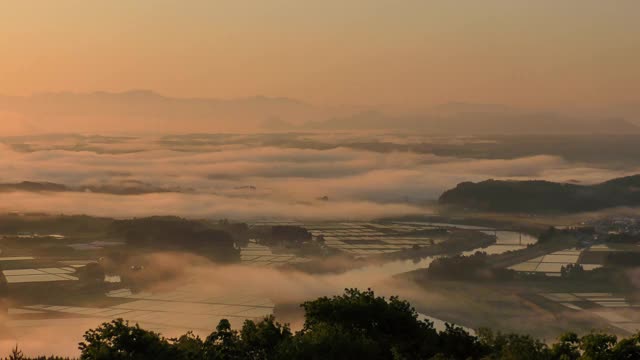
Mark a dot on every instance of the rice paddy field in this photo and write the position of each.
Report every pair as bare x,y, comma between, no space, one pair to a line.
176,311
42,259
366,238
506,241
40,275
552,263
30,268
375,238
507,308
618,310
255,254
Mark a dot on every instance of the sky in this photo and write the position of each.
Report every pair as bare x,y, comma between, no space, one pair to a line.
410,53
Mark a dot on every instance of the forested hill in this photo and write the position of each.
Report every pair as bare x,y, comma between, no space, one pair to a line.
543,196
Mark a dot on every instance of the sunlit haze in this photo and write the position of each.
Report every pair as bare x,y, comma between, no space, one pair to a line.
361,52
320,180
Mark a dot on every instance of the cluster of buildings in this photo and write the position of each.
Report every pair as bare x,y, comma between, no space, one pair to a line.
621,225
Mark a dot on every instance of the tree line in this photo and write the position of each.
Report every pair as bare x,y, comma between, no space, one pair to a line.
354,325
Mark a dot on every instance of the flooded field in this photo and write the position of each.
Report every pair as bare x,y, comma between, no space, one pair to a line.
40,275
196,307
616,309
368,238
254,254
551,264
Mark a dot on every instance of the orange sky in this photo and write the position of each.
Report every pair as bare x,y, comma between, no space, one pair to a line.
410,53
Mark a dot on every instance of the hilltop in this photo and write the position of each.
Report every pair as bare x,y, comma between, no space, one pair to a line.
543,196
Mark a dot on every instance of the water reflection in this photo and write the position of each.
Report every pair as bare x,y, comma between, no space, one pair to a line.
505,241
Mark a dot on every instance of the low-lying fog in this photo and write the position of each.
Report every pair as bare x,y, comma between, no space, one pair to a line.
302,177
245,177
60,336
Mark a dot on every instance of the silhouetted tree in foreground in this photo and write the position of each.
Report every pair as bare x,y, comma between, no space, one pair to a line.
354,325
16,354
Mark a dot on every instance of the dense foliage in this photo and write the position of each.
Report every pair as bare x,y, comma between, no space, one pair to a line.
167,232
355,325
542,196
48,224
623,259
472,267
281,235
479,267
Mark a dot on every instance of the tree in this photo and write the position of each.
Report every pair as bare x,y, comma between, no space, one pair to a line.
597,346
513,346
547,235
282,235
627,349
117,340
327,341
567,347
223,343
16,354
391,324
173,233
456,343
189,346
264,339
92,274
461,267
572,271
354,325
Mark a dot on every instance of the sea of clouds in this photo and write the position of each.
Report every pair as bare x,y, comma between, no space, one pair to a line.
251,180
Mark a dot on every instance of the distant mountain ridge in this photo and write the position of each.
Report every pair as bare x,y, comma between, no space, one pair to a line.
480,120
146,111
542,196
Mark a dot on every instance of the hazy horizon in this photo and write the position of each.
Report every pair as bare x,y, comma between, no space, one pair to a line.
146,111
187,164
234,67
367,53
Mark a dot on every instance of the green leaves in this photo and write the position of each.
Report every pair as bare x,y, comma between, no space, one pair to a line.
354,325
117,340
